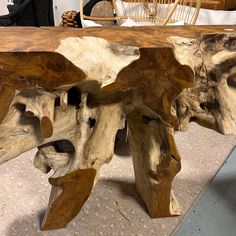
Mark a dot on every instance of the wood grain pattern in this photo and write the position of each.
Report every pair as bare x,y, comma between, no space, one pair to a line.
37,69
48,39
6,96
67,91
159,77
76,188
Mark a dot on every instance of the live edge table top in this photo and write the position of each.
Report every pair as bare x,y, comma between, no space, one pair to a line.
20,39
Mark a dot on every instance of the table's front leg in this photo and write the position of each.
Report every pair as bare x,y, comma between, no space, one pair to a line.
92,149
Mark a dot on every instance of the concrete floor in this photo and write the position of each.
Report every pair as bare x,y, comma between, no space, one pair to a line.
113,207
214,213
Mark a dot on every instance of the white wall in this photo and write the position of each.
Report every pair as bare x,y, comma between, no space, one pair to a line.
3,6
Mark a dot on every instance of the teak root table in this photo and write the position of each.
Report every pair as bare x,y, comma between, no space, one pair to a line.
67,92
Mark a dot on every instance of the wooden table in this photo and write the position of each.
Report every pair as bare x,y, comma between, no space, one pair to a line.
67,91
218,4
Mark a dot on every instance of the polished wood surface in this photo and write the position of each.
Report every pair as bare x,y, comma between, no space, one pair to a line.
20,39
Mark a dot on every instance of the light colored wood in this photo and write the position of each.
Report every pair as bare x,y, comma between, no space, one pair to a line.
41,107
211,102
64,100
34,121
156,162
89,82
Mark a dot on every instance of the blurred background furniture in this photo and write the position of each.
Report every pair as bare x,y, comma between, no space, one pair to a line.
27,13
58,7
148,12
219,4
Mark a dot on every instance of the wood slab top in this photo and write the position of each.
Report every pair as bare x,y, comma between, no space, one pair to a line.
25,39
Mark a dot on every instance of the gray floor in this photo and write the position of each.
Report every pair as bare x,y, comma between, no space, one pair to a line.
114,207
215,211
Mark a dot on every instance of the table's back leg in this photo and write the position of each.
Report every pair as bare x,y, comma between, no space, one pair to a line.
156,162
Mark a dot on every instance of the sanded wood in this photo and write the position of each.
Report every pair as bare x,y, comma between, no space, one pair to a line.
68,91
156,162
211,102
76,188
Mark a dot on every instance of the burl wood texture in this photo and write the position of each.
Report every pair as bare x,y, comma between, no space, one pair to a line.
166,80
68,91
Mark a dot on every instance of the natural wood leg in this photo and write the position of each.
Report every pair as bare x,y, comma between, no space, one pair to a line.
7,95
156,162
69,192
89,133
75,189
44,89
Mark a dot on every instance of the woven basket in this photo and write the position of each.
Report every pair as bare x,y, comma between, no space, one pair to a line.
68,19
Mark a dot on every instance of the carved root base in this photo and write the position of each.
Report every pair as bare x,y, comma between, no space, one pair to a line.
70,100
